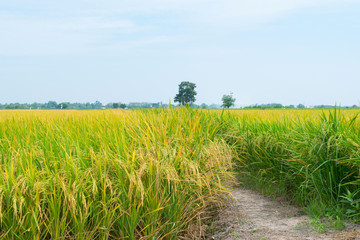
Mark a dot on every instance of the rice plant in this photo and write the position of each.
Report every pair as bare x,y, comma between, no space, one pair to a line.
312,155
109,174
153,174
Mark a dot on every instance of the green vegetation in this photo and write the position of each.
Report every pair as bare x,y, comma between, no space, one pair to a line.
119,105
152,174
324,224
311,156
186,94
228,101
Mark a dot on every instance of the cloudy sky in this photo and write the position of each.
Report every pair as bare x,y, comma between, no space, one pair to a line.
264,51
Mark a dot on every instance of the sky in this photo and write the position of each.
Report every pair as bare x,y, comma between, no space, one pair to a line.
263,51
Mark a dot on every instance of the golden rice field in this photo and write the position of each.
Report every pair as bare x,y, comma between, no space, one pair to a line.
153,174
108,174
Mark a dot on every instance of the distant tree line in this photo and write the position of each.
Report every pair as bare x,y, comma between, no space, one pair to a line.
227,102
69,105
185,97
299,106
52,105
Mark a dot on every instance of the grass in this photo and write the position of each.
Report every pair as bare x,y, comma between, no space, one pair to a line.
325,224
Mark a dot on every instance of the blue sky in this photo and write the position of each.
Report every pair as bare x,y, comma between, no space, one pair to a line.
264,51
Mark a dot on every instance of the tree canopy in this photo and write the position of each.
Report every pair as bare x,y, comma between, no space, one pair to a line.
186,93
228,101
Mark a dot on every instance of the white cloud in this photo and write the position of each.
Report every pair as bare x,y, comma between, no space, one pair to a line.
95,23
212,8
25,35
71,26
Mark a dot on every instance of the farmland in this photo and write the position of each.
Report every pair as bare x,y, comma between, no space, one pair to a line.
150,174
311,156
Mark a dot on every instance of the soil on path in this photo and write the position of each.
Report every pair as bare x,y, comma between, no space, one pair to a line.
252,216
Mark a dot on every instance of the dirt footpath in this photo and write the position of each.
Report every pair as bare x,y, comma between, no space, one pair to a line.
253,216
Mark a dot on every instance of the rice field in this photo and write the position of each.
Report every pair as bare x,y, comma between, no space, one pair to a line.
108,174
311,156
154,174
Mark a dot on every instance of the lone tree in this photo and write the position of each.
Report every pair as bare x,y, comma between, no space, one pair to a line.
63,105
228,101
186,93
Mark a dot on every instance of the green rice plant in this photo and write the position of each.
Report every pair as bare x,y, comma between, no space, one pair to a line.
312,155
351,200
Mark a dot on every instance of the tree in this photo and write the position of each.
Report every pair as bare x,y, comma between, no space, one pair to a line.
63,105
204,106
115,105
300,106
96,105
51,105
228,101
186,93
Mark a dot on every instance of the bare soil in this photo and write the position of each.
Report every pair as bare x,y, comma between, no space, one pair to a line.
252,216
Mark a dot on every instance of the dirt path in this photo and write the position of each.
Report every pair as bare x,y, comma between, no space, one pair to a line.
253,216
